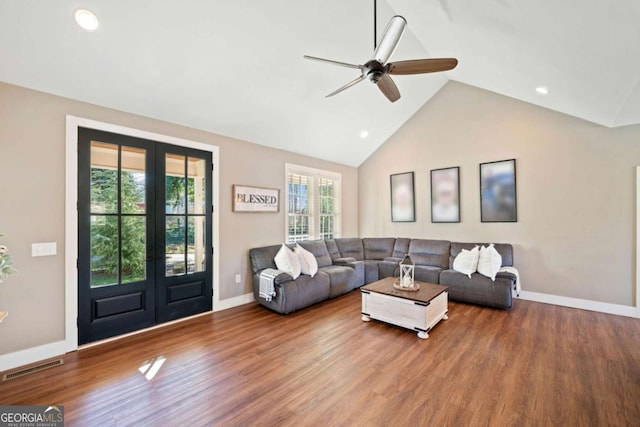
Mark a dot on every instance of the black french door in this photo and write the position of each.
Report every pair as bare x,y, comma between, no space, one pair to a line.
144,230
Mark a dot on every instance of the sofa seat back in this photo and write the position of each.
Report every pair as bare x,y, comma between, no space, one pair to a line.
319,250
332,247
434,253
504,249
350,248
262,258
378,248
401,247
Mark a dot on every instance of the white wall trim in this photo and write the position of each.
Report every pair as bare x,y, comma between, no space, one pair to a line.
234,302
31,355
583,304
71,214
637,241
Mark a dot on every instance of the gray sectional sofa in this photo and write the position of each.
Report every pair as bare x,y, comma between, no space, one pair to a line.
348,263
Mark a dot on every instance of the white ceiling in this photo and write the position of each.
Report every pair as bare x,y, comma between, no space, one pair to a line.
235,67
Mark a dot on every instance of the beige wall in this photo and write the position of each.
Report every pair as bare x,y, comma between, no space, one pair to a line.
32,193
575,181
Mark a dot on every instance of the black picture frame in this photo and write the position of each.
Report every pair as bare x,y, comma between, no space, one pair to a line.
445,195
403,206
498,191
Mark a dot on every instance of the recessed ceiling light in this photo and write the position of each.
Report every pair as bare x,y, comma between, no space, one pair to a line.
86,19
542,90
364,134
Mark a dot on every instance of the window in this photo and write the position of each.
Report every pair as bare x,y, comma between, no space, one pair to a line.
313,200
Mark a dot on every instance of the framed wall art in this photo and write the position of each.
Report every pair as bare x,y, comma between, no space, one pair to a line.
255,199
445,195
498,199
402,198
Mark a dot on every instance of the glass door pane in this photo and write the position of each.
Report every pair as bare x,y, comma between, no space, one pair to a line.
118,237
185,210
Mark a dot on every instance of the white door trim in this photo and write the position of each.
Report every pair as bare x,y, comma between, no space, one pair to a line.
638,241
71,213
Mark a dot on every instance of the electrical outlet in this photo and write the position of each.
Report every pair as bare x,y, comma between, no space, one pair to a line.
44,249
238,278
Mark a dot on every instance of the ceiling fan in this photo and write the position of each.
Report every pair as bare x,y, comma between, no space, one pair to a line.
379,71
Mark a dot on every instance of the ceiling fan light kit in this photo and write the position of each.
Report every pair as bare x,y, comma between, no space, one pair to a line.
379,70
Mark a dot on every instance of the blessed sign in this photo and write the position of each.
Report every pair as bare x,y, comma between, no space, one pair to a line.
255,199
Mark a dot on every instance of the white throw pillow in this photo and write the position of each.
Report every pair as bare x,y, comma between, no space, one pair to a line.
308,263
467,261
288,262
490,262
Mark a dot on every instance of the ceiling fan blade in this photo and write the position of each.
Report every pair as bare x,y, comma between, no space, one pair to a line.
390,38
347,86
421,66
330,61
388,87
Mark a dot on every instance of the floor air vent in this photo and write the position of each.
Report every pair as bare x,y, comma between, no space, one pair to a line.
31,370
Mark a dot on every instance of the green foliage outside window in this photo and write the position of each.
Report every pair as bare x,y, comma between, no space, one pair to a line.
105,262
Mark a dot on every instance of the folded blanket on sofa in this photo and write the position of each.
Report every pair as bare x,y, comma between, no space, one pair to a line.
514,271
267,283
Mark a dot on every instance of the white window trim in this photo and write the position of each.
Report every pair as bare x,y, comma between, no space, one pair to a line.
316,174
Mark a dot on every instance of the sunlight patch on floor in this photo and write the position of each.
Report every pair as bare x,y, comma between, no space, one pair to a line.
151,367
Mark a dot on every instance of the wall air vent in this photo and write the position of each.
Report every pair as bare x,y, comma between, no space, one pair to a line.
32,370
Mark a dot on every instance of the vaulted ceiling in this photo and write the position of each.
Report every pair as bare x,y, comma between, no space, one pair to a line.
236,68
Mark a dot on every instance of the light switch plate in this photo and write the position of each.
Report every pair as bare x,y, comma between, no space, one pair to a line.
44,249
238,278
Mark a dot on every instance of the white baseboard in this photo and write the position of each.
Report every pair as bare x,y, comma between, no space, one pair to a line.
583,304
31,355
233,302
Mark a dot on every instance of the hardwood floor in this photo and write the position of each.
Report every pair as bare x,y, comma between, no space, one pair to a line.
535,365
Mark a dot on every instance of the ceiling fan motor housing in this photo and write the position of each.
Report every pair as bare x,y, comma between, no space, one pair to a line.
373,70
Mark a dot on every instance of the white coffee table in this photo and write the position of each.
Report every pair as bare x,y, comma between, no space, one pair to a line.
419,311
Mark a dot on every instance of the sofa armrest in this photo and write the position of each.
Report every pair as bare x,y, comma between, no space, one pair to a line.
505,275
280,278
344,261
392,259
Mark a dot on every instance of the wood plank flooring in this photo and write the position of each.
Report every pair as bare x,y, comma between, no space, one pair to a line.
538,365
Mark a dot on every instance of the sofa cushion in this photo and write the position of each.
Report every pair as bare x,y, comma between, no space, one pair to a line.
287,261
504,249
378,248
303,292
401,247
427,273
319,250
350,247
478,289
489,262
341,279
430,252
